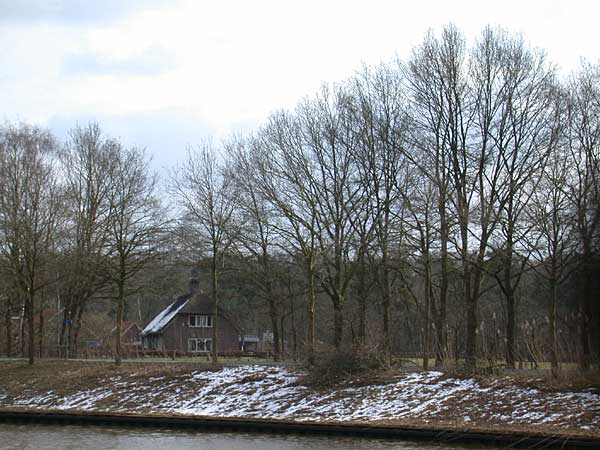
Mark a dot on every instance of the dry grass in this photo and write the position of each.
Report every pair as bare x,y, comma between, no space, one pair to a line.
542,380
17,378
66,377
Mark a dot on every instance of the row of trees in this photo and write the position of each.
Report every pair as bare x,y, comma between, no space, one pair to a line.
463,167
442,182
77,221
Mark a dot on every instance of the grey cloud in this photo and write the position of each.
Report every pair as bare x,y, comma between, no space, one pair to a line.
151,61
71,12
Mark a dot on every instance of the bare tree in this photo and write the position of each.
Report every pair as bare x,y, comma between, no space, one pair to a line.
433,134
421,203
258,233
136,222
334,190
279,170
471,179
515,112
30,207
88,159
207,194
553,235
583,136
381,127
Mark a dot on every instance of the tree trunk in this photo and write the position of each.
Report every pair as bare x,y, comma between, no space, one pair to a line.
272,301
427,334
31,328
552,319
215,300
508,290
293,319
362,319
362,303
8,324
76,328
586,308
338,323
273,313
471,338
22,328
387,300
310,339
282,333
510,328
62,335
119,322
41,332
441,349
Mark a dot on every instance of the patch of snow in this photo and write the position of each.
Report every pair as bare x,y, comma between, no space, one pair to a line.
276,392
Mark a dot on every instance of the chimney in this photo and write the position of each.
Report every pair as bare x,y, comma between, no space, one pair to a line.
194,282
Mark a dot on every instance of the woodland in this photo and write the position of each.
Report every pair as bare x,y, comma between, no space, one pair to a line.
444,207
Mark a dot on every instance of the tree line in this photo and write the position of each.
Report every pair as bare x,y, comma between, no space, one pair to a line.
458,181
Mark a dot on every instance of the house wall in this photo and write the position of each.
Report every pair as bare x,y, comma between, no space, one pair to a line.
175,337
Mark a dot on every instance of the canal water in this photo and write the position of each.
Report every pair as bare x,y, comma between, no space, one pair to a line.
72,437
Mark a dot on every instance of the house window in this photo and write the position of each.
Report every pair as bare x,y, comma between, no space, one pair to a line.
198,321
198,345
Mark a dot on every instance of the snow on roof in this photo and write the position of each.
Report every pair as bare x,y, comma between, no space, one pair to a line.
165,316
249,338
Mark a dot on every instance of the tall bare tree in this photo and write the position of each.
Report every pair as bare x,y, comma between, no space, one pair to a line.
30,210
88,160
381,127
279,168
515,116
433,134
334,190
471,179
207,194
136,223
583,134
258,233
553,236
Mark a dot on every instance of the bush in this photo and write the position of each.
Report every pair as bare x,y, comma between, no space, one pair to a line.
331,367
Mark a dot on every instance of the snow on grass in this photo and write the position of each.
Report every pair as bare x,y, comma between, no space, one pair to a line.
276,392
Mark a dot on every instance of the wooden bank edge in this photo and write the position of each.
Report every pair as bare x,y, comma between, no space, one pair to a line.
423,433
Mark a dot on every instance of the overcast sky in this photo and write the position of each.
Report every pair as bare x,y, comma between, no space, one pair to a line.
166,74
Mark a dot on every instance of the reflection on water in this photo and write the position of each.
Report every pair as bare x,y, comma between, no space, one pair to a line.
70,437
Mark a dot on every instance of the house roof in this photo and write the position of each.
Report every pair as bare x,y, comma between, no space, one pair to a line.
166,315
125,326
190,303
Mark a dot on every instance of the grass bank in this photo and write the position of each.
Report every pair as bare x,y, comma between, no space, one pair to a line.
517,402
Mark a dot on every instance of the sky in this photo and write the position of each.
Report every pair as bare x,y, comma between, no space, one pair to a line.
166,75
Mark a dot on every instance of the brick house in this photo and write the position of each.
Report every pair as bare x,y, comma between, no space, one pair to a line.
186,326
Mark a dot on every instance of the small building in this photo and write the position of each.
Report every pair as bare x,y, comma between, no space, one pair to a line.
185,326
250,344
131,333
131,340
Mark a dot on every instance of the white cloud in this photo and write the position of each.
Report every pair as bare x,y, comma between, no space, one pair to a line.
150,61
73,12
229,63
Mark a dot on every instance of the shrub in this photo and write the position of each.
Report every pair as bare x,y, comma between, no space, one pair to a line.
331,367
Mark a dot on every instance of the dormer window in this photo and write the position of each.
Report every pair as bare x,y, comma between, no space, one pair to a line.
200,321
